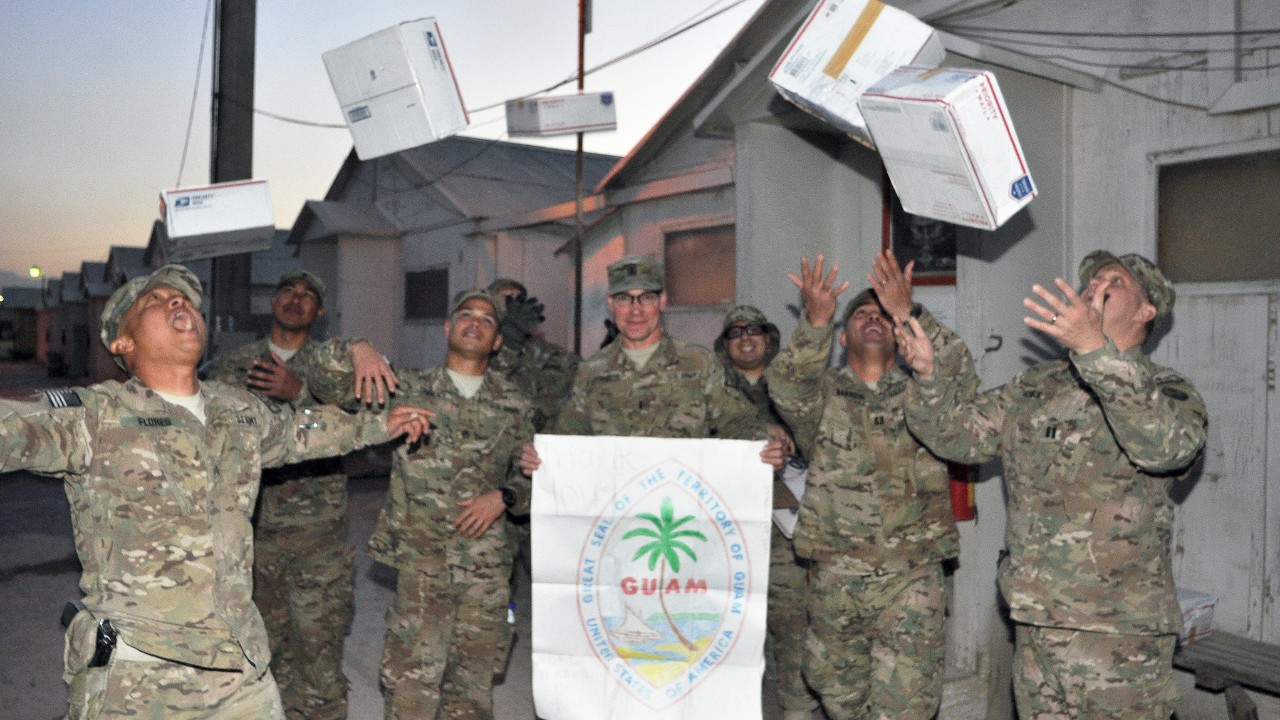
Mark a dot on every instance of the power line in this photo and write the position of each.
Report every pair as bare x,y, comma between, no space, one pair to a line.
186,141
1138,35
677,30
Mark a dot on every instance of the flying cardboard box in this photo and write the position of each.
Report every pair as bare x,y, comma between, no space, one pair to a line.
948,144
396,88
224,219
560,114
845,47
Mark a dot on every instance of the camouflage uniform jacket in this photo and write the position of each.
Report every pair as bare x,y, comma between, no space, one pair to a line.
160,507
292,505
679,393
474,447
542,371
1090,449
875,497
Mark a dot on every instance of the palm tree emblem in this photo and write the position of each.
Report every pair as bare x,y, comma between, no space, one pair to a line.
665,539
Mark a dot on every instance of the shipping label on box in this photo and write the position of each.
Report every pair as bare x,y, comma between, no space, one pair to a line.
585,112
845,47
949,145
1197,614
397,88
224,219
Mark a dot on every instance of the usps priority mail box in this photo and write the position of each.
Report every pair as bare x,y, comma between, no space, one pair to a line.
224,219
845,47
949,145
559,114
397,88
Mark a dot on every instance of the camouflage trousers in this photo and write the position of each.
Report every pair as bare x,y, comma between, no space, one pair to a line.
162,690
875,646
303,587
1064,673
447,635
788,620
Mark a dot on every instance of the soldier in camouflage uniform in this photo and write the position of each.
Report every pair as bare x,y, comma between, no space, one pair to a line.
1091,445
302,564
443,526
649,384
747,343
161,473
876,516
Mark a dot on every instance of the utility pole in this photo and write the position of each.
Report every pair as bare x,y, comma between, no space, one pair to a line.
231,158
583,29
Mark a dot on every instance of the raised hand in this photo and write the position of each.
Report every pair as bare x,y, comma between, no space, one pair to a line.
1071,321
892,285
820,294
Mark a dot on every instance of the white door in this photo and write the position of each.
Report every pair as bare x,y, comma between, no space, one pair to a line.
1226,537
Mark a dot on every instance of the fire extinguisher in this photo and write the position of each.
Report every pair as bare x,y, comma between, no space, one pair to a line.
962,486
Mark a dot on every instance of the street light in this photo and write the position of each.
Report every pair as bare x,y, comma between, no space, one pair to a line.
35,272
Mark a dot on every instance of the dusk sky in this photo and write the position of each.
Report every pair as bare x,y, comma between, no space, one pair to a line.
95,97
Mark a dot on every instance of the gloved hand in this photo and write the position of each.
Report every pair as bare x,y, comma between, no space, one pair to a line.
523,315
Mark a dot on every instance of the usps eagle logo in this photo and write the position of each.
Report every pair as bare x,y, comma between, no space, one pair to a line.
663,583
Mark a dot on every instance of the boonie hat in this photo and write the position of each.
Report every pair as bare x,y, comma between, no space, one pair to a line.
635,272
749,315
175,276
1158,288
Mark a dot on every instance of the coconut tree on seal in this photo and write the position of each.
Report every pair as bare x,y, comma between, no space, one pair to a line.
665,543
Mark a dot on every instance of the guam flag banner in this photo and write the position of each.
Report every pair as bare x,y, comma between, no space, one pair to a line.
650,569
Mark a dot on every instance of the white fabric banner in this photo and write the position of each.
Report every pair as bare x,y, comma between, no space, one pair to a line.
650,571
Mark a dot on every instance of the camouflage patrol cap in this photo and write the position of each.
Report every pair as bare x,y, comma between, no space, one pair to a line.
750,315
503,283
1158,288
175,276
635,272
499,309
310,279
863,298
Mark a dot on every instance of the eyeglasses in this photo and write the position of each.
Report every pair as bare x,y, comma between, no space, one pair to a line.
647,298
737,331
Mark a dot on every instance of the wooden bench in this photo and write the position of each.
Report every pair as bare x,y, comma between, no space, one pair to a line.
1222,661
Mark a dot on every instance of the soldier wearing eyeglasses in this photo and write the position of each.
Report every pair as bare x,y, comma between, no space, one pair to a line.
647,383
747,344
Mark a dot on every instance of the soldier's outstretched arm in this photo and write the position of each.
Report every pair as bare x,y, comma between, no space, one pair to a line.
49,436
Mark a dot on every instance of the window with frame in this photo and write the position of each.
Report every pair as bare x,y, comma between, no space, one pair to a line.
426,294
701,266
1217,219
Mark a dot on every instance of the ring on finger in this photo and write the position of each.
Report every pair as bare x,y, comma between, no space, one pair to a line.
1053,320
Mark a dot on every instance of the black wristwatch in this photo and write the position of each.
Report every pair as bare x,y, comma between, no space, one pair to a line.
508,497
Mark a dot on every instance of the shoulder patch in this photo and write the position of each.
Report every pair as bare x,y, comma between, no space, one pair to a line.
63,398
1174,393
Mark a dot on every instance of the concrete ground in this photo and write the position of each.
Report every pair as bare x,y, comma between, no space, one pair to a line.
39,573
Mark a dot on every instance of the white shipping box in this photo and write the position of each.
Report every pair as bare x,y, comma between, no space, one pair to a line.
397,88
223,219
845,47
949,146
585,112
1197,614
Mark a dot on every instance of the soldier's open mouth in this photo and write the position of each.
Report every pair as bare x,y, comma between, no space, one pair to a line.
183,321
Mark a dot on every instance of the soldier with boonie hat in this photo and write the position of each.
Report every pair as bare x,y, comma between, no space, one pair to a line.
167,575
1091,445
175,276
1159,290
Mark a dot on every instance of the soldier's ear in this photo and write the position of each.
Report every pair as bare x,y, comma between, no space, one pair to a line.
497,342
841,339
122,345
320,313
